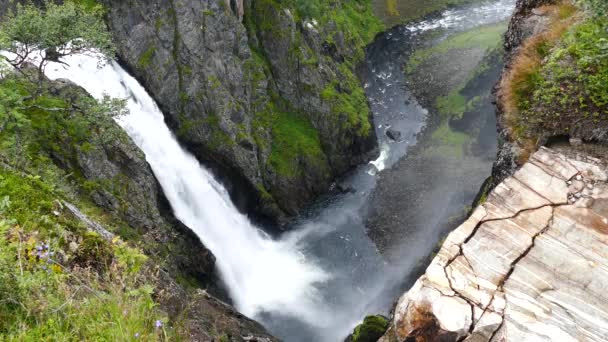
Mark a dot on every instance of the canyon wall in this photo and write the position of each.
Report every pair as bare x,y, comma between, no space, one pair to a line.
259,91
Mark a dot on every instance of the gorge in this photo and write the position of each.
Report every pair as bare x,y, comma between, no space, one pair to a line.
307,284
257,153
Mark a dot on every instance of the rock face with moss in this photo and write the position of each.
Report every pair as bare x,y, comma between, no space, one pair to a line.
74,184
553,84
114,174
264,92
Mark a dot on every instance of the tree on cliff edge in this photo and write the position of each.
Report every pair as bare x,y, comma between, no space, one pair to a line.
30,105
39,34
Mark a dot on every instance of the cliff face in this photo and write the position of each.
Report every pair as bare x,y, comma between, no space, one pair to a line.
116,177
254,90
114,174
524,24
553,84
527,265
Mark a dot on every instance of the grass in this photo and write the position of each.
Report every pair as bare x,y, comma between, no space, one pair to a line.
557,81
80,287
294,141
525,66
60,282
485,37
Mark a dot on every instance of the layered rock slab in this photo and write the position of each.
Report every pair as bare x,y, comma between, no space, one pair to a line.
528,265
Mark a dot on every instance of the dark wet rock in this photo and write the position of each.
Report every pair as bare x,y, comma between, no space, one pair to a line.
393,134
526,21
345,189
216,68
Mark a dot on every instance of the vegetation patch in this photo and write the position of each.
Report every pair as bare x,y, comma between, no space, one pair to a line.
446,142
58,281
349,106
372,328
485,37
557,83
294,141
145,60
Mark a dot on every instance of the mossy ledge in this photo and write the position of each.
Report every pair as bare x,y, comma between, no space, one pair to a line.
555,80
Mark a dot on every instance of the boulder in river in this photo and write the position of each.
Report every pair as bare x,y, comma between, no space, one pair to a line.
393,134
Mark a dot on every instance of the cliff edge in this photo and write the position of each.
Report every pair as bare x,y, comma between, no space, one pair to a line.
529,264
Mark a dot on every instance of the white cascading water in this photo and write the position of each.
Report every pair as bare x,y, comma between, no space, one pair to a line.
262,274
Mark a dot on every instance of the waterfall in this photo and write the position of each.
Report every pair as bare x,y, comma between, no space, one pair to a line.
262,275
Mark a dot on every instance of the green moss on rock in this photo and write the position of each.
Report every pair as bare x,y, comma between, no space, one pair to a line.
294,141
372,328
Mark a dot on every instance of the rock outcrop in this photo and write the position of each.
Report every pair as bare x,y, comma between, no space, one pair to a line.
530,264
260,95
113,173
525,23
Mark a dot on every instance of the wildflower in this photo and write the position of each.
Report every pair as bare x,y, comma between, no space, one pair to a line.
44,267
46,246
158,323
39,248
136,335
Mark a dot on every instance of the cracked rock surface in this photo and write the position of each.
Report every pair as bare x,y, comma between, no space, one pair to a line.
530,264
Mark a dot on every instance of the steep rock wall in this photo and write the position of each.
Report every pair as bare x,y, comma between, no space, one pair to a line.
524,24
253,91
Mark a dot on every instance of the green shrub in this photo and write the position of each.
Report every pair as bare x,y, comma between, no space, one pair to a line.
50,290
598,7
571,88
372,328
